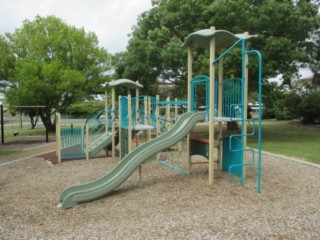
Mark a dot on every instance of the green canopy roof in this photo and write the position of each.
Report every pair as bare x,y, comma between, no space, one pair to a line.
223,38
122,82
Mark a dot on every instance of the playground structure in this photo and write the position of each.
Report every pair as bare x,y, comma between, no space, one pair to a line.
105,126
225,101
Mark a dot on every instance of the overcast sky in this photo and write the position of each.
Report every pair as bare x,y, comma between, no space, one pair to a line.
110,20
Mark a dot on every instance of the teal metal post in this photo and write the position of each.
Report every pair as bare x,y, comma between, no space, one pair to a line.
260,117
2,124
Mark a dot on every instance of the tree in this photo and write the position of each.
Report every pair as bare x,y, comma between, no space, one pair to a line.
310,108
47,62
154,54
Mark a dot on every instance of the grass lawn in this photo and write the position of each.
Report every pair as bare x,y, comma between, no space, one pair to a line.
290,139
283,137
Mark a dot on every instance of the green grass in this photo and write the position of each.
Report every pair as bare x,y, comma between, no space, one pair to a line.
289,139
284,138
9,133
280,137
6,152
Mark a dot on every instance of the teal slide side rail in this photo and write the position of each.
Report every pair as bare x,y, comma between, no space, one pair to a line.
104,185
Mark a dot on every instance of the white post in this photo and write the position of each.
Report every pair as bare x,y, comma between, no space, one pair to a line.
120,129
157,122
220,112
129,124
87,144
113,105
190,61
211,112
106,106
58,136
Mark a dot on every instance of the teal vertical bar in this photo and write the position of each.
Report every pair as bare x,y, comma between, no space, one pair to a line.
242,99
260,118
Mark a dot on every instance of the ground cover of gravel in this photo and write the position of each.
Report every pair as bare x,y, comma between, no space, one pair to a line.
168,206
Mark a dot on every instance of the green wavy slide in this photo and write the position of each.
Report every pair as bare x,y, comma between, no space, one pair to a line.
104,185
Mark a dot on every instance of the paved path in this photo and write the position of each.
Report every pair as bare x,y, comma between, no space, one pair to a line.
27,152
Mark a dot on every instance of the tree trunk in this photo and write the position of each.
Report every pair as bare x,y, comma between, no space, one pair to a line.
47,122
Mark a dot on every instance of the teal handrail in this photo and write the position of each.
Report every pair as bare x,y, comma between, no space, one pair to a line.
227,51
260,116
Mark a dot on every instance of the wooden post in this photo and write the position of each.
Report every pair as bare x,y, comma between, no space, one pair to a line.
176,110
190,62
87,144
106,106
211,111
120,129
113,128
149,113
168,109
220,111
2,123
157,122
137,114
129,124
58,136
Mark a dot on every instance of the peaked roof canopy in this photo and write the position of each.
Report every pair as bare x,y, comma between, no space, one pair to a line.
223,38
122,82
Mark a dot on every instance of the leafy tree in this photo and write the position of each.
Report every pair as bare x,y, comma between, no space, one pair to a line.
47,62
155,56
84,109
313,47
273,94
310,108
288,106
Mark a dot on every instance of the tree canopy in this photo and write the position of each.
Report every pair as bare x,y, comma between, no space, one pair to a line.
154,54
47,62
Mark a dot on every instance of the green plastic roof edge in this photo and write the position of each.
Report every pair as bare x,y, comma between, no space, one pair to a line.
122,82
223,38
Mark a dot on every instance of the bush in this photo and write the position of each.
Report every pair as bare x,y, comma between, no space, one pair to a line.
283,114
291,102
310,108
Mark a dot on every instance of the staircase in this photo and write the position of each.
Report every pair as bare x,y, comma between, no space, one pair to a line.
100,143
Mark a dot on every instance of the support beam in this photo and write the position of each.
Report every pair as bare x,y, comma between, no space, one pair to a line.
2,124
129,124
113,106
220,89
245,100
190,61
106,106
211,111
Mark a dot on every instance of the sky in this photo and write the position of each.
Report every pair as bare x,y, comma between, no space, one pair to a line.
110,20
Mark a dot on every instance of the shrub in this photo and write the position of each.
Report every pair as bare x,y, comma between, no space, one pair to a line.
310,108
